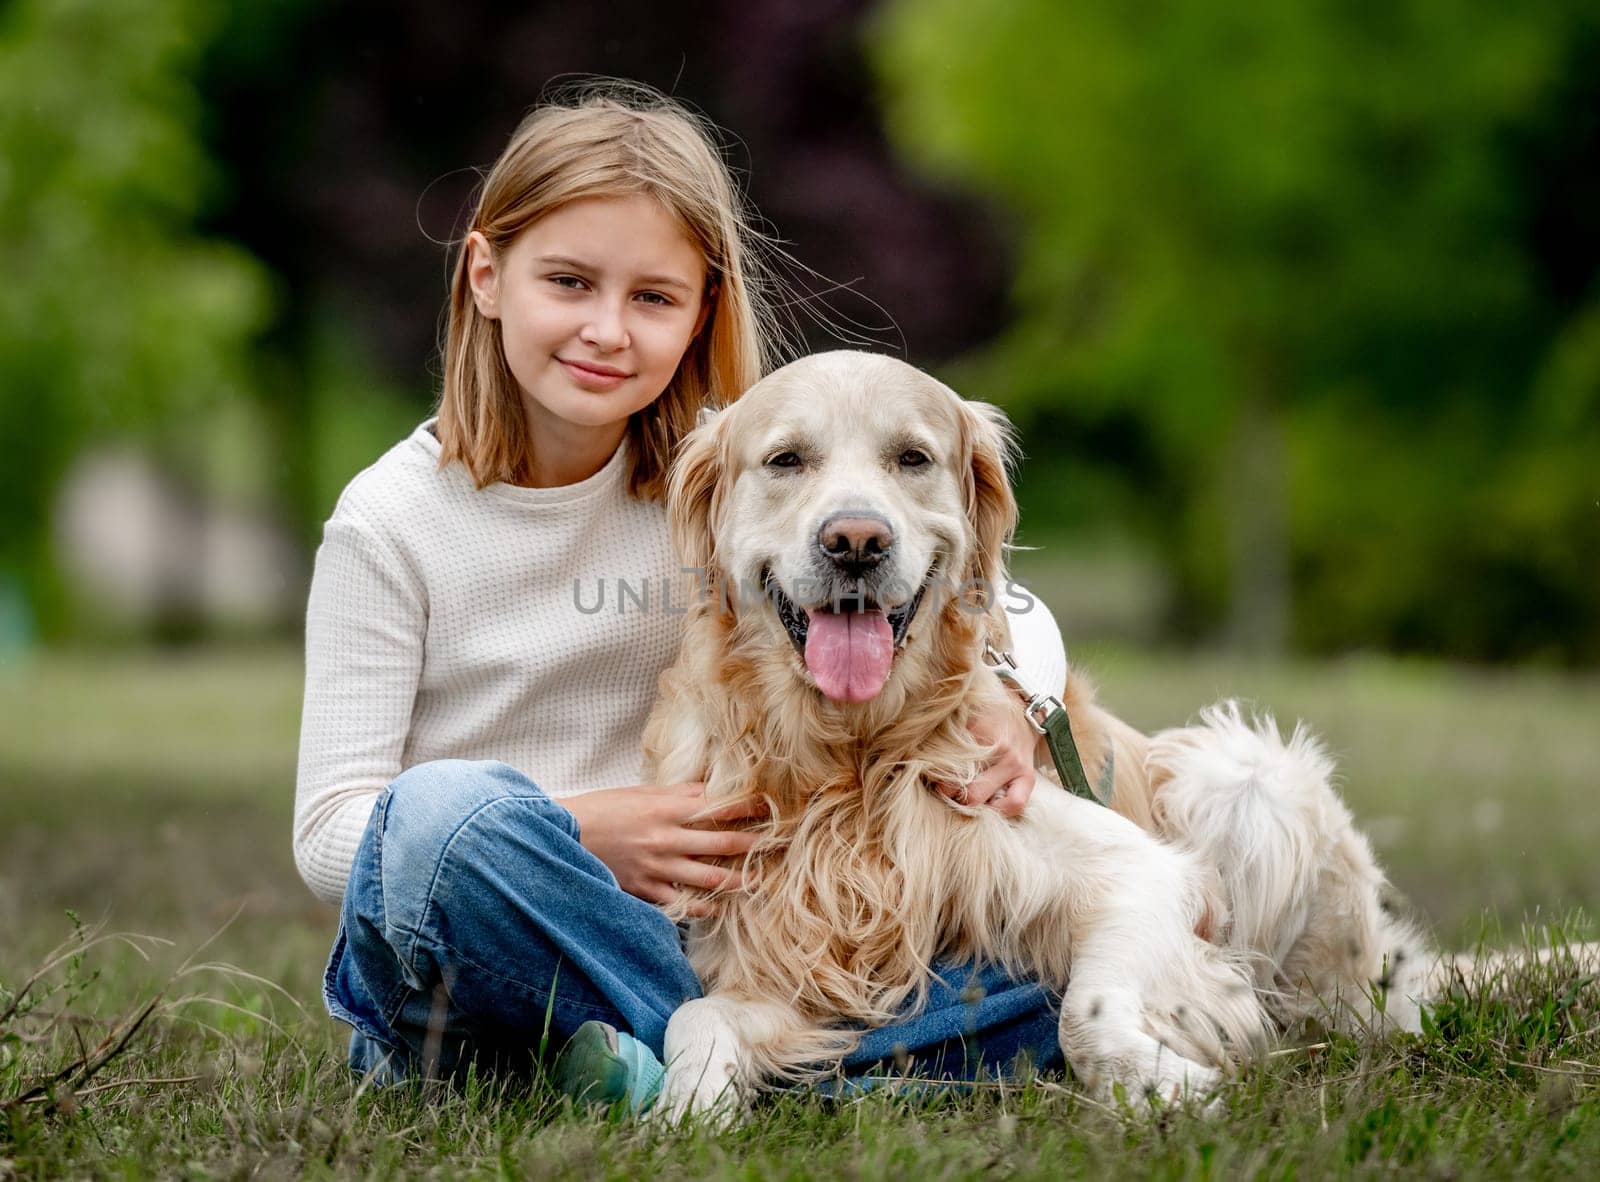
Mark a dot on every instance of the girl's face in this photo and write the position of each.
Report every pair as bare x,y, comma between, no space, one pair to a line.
597,302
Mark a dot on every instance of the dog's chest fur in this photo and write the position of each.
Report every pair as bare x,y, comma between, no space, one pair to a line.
864,874
841,926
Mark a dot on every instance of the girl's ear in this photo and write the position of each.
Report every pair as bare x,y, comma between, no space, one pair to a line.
694,494
988,446
483,275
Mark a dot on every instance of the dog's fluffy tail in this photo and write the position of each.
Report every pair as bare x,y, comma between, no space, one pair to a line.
1257,810
1301,889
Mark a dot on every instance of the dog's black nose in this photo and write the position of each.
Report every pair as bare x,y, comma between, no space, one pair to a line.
855,542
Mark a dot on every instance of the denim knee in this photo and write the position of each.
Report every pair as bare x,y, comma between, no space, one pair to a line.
428,808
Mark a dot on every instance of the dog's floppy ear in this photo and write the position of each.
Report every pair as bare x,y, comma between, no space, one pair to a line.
989,448
694,492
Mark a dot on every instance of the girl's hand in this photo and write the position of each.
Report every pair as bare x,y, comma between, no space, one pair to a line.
1006,781
644,836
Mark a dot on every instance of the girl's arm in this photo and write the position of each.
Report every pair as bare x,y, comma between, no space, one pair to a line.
365,624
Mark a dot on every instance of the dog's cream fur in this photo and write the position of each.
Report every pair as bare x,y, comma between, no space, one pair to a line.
1226,895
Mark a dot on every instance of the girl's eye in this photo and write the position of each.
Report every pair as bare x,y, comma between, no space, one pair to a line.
784,459
912,458
570,282
655,298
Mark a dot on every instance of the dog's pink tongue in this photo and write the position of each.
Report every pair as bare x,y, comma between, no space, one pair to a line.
849,653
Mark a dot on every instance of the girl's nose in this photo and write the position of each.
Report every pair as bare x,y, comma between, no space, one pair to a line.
606,329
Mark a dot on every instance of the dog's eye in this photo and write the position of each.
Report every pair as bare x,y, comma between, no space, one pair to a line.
912,458
784,459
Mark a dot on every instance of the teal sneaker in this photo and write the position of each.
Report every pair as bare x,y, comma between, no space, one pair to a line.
602,1065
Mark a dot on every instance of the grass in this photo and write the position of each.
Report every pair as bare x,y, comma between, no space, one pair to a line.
153,796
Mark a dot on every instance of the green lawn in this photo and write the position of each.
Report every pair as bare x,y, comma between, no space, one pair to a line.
154,794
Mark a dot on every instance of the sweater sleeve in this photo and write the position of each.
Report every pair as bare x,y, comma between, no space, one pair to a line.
1036,644
365,624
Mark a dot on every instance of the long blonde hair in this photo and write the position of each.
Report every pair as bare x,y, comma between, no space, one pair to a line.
609,139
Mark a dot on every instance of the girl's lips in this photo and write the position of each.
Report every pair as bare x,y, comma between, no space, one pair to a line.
593,379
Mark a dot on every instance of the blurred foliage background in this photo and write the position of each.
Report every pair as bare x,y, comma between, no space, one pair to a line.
1295,303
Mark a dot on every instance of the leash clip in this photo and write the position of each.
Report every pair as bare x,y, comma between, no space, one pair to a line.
1039,706
1048,715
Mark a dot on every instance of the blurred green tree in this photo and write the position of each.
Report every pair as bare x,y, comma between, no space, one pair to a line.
1295,248
115,316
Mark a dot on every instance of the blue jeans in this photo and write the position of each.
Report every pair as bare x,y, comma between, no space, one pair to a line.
476,929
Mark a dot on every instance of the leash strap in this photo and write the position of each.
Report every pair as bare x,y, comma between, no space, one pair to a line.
1048,716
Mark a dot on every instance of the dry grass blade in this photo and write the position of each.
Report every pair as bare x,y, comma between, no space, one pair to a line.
61,1089
81,940
83,1068
79,1093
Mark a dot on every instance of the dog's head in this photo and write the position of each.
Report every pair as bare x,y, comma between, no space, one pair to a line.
835,500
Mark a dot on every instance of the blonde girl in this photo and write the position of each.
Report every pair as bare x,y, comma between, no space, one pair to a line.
492,601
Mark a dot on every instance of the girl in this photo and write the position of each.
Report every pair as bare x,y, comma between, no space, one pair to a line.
458,638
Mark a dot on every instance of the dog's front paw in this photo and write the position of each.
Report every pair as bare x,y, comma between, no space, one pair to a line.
1118,1060
704,1097
1178,1080
1169,1080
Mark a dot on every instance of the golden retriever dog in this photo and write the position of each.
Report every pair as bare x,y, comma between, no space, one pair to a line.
851,515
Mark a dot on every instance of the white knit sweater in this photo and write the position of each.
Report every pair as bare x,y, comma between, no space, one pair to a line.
446,622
